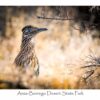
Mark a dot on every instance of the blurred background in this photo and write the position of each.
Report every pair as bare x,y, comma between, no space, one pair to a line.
68,53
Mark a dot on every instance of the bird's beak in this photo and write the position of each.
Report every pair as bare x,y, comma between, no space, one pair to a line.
41,29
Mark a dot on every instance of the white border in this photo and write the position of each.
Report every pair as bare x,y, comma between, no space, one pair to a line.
49,2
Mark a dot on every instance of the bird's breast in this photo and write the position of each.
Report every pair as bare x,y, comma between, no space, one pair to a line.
25,56
32,41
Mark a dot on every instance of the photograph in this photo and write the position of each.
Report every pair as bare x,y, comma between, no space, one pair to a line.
49,47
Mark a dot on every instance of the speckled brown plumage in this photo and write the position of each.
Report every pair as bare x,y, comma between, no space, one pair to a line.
26,57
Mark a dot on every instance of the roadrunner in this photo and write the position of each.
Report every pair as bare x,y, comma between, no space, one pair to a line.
26,57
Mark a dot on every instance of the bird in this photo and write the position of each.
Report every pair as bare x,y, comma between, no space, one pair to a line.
26,57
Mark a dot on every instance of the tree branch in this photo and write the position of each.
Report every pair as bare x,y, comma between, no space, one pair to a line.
52,18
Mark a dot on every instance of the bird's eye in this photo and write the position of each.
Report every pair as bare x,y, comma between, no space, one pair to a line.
29,30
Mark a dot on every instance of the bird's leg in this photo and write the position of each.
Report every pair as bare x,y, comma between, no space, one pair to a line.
37,69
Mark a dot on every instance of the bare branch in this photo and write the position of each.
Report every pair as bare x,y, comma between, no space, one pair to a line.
52,18
88,74
93,65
